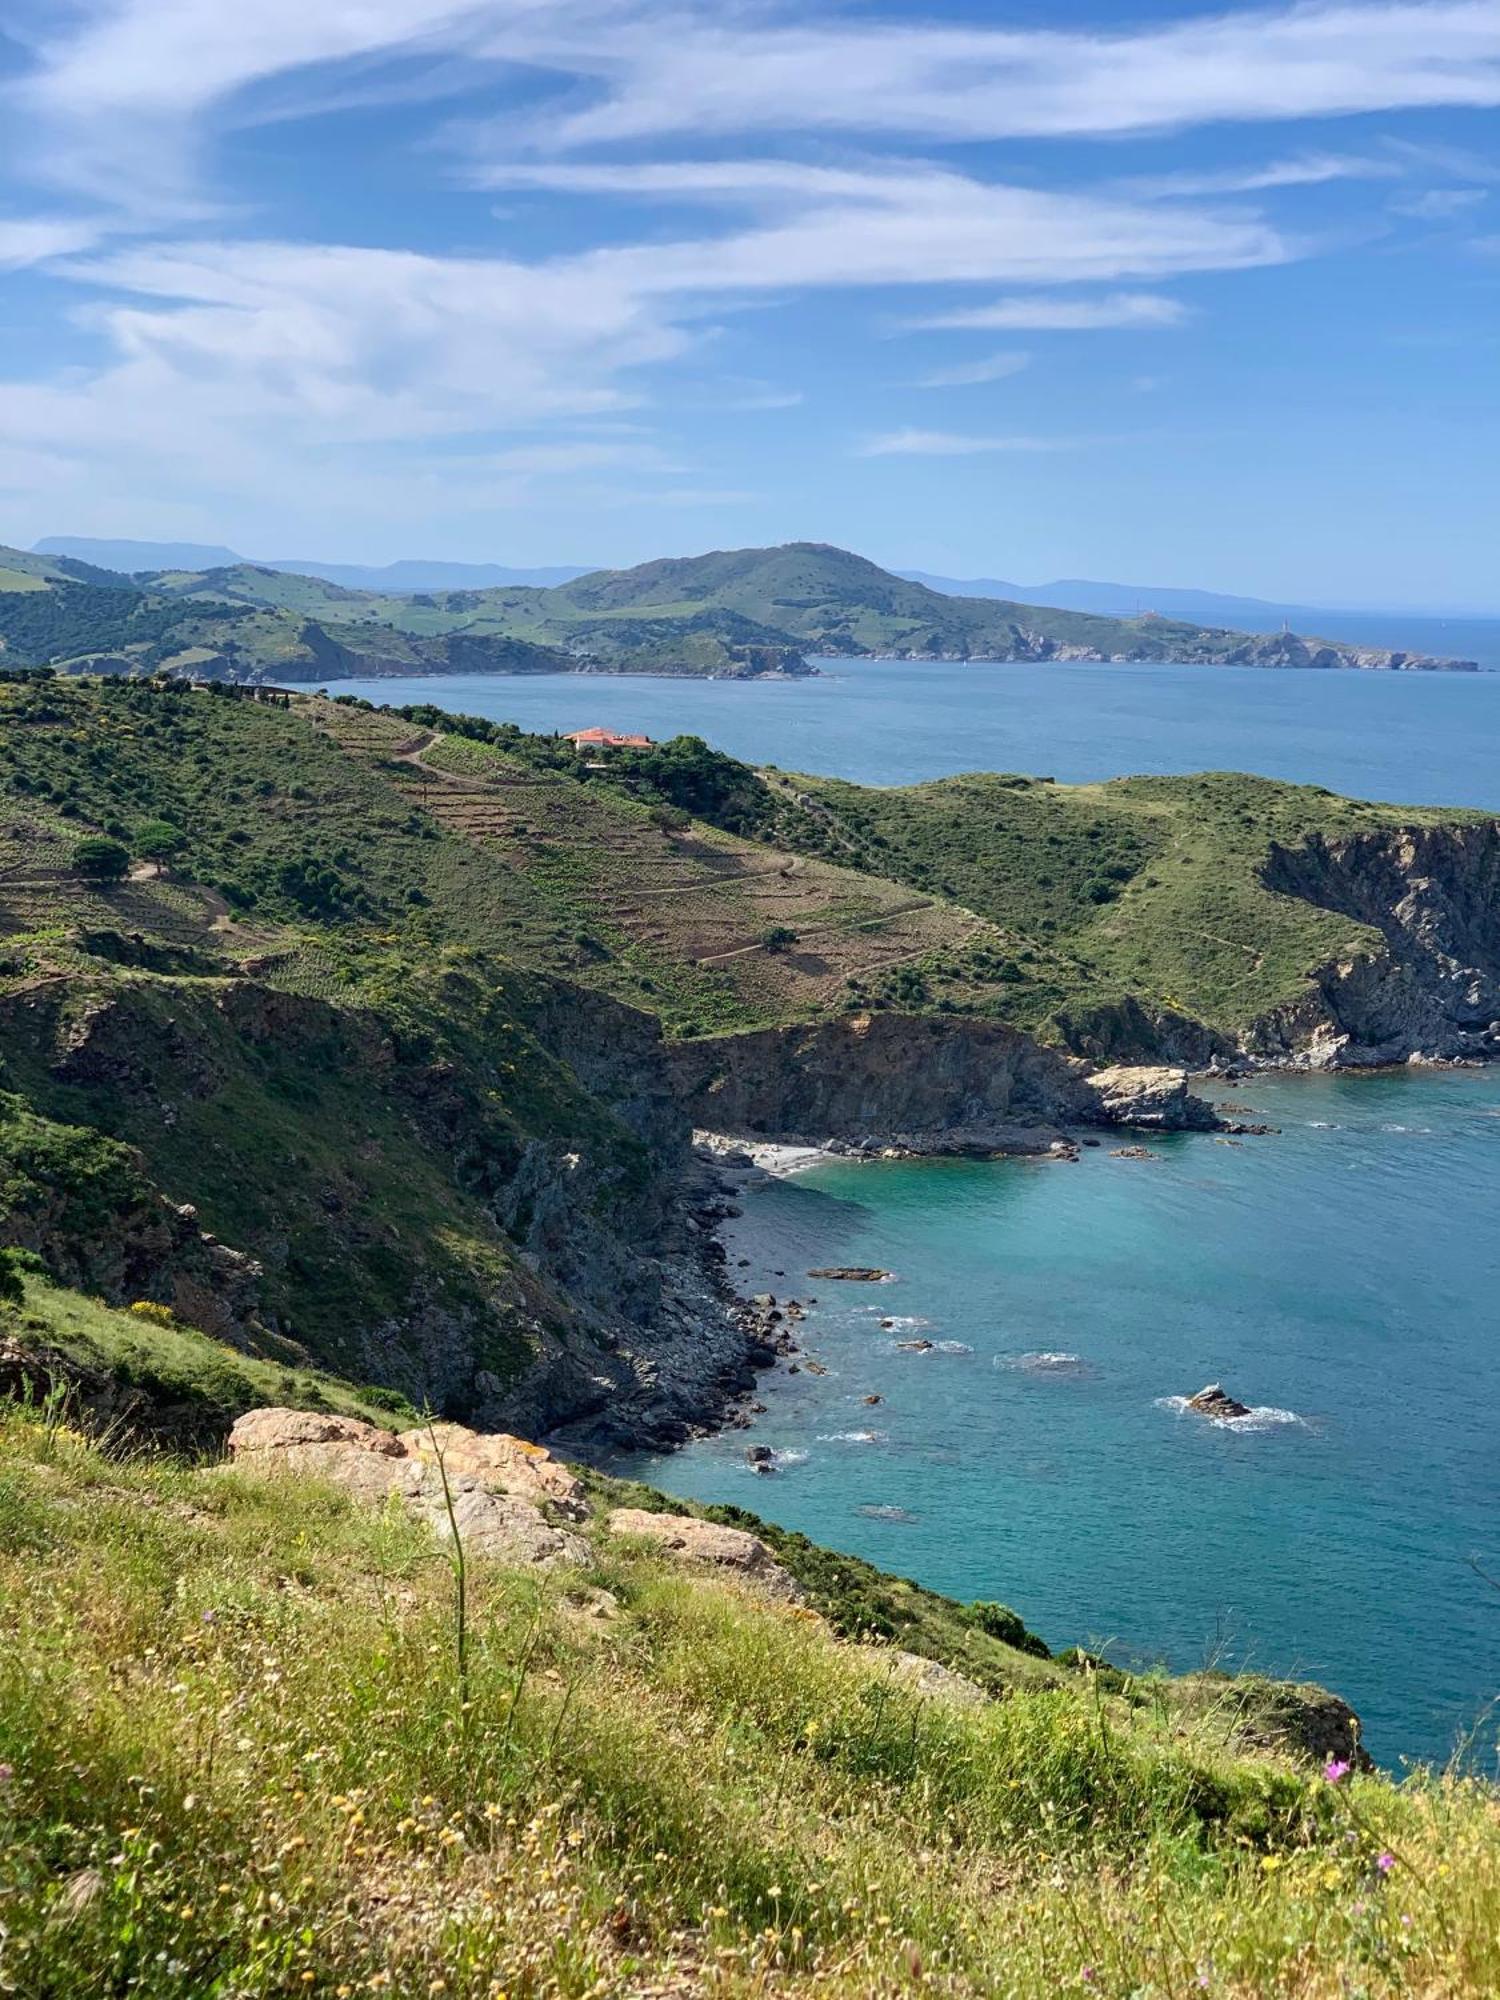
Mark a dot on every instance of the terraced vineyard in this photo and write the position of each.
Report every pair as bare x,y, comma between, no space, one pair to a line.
720,929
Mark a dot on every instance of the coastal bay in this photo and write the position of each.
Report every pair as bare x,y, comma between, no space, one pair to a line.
1338,1276
1418,738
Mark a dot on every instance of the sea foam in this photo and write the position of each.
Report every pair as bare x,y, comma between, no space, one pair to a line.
1262,1417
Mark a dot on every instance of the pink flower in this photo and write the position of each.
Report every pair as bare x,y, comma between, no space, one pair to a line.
1385,1863
7,1772
1336,1770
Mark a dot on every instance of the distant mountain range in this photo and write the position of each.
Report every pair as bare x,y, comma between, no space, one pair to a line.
141,558
735,612
1470,635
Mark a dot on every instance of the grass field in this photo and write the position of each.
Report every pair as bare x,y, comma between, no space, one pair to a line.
236,1759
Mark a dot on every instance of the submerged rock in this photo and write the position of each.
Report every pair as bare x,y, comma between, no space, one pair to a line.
857,1274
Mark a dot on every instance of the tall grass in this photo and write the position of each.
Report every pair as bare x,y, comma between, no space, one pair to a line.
231,1764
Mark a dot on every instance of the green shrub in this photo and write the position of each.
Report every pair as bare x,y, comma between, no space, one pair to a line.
12,1290
99,859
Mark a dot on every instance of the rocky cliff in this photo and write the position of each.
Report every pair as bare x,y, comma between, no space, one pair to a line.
916,1083
1431,986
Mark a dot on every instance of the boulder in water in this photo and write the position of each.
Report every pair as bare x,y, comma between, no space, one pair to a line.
1215,1401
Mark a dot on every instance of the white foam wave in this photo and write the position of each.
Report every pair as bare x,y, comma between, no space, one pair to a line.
953,1347
1043,1361
851,1437
1261,1417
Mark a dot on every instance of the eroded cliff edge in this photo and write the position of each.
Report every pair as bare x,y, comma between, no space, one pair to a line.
1427,983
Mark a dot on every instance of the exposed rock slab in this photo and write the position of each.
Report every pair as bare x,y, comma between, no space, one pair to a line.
930,1678
687,1539
373,1468
506,1464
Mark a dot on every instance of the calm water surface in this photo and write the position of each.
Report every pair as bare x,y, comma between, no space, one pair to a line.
1343,1277
1419,738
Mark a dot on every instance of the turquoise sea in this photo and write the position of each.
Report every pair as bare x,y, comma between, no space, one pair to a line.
1342,1276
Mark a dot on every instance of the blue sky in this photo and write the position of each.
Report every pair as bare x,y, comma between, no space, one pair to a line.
1019,290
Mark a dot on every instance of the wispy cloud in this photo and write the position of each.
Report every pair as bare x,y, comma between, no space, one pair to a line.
955,444
34,239
993,368
1303,170
852,75
1050,314
1440,204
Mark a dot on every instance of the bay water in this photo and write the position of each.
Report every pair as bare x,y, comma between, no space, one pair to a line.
1429,739
1342,1276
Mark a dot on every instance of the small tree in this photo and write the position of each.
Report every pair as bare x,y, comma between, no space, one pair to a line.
98,859
158,840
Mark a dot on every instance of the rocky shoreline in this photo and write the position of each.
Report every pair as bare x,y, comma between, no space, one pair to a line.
714,1340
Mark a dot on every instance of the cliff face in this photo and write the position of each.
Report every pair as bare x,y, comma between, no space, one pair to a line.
917,1082
1433,987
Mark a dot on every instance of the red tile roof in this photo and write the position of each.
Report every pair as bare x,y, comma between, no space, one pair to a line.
607,739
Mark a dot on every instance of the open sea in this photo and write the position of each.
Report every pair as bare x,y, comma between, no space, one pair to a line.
1342,1277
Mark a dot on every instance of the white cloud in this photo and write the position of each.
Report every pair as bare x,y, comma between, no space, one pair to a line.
1043,313
1303,170
955,444
993,368
699,74
352,373
34,239
1440,204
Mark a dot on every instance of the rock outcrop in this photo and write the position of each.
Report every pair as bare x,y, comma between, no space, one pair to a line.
509,1464
1156,1099
1215,1401
929,1678
734,1551
1427,983
374,1468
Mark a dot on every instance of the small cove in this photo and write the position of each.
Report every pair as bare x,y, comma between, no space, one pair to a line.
1340,1276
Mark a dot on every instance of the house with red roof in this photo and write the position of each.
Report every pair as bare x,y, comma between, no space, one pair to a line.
606,739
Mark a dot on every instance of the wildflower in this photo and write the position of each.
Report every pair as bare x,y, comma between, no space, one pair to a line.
1385,1862
1087,1975
7,1772
1270,1862
1336,1770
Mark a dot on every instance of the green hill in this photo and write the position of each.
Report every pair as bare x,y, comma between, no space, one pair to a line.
739,613
376,983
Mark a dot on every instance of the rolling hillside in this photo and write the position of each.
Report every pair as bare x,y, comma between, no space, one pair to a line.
738,613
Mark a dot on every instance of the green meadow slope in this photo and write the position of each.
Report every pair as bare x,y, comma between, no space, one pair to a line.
247,1749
